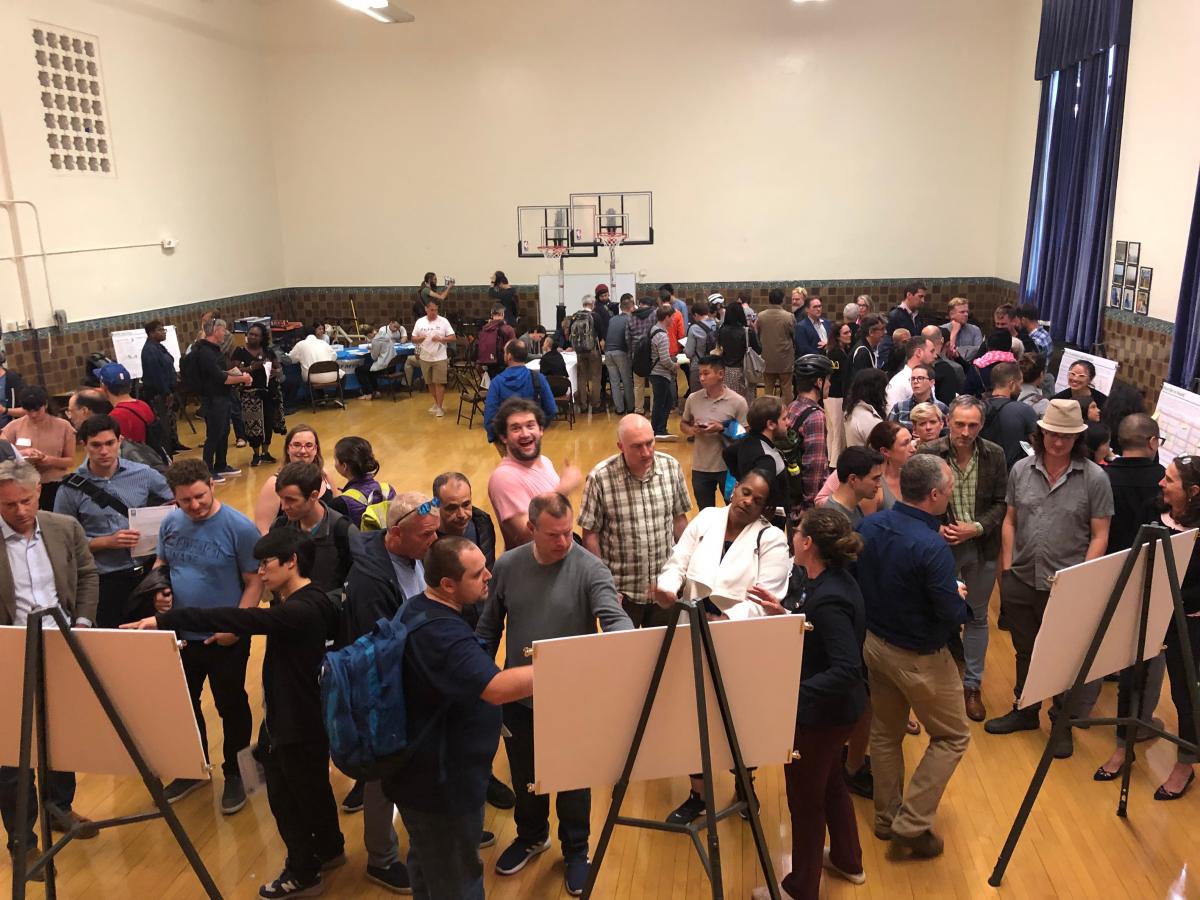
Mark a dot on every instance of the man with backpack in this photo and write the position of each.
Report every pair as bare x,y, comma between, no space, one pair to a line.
134,416
453,694
804,446
701,341
516,380
1006,420
299,486
386,571
99,495
618,357
662,371
757,450
492,339
293,748
587,343
204,372
641,320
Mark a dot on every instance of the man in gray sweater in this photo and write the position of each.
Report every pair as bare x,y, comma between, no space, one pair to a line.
548,588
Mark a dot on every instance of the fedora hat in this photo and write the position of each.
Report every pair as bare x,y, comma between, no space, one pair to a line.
1063,417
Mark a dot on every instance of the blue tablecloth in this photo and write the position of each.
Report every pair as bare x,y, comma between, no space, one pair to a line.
350,358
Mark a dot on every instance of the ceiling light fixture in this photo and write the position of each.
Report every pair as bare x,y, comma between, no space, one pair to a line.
379,10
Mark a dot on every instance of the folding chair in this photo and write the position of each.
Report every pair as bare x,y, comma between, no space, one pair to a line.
325,367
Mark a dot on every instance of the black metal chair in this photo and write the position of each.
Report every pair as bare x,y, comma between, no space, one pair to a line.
394,378
472,395
564,397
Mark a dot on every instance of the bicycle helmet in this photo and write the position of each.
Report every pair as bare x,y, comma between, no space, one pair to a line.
813,365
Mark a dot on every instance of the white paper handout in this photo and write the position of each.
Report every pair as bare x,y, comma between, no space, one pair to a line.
145,520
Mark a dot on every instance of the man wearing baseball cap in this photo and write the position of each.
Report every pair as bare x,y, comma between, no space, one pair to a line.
1060,504
132,415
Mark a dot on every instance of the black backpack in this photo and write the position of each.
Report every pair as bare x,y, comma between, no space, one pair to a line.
643,359
189,370
991,421
156,437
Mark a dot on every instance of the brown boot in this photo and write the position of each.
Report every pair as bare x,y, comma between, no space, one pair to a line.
31,855
85,827
975,710
925,845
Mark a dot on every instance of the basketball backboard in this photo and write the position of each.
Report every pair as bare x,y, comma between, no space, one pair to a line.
539,226
629,212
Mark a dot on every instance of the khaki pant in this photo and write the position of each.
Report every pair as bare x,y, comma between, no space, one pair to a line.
779,384
835,430
588,379
640,388
930,686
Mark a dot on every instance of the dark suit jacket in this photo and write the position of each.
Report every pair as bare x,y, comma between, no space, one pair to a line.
75,577
990,489
806,336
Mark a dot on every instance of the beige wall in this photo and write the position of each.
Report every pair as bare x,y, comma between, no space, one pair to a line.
187,102
1160,146
838,139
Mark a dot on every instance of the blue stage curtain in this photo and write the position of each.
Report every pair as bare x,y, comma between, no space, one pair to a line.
1185,346
1067,233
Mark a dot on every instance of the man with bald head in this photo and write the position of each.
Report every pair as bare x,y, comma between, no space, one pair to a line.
948,375
635,506
387,570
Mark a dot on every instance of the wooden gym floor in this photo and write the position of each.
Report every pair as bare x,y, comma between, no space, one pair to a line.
1073,847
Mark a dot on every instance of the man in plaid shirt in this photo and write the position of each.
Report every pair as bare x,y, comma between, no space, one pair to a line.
806,417
635,506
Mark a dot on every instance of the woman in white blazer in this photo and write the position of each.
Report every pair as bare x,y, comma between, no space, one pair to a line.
721,554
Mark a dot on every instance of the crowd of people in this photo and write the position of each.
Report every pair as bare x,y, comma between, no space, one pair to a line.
892,473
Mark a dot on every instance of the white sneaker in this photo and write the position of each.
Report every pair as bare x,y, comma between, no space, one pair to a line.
433,409
438,411
852,877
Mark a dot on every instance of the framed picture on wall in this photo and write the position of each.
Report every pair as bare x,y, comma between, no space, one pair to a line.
1141,305
1127,299
1119,256
1133,253
1145,273
1114,297
1118,273
1131,274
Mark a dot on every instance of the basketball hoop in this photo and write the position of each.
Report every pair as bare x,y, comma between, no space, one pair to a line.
610,239
554,251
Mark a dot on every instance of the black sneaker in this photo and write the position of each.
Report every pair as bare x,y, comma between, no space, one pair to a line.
233,797
1064,745
255,460
181,787
576,874
1014,720
217,479
336,861
288,885
861,782
353,801
688,811
486,839
393,878
499,794
519,852
228,471
268,458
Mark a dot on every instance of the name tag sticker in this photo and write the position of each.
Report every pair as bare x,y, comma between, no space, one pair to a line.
24,442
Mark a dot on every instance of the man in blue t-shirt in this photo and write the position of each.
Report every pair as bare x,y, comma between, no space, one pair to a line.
440,792
210,550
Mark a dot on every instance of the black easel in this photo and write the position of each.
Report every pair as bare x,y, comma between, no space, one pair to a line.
33,708
1152,537
703,652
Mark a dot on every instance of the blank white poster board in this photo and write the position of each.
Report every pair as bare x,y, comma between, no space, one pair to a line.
1106,370
589,693
1178,414
127,348
143,674
1077,600
575,287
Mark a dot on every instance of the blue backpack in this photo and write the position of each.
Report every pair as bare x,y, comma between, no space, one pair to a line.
362,702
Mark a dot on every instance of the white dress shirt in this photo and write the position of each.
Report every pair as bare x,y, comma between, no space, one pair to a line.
32,574
900,387
310,350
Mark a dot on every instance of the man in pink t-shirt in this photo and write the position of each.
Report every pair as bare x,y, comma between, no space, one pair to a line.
523,473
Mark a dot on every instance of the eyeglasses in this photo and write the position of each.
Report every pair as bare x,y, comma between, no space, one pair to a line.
423,510
296,445
917,378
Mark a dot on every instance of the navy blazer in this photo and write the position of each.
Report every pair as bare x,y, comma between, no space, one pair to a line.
806,338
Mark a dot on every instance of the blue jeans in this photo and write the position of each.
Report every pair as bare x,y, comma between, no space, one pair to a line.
60,791
660,411
620,379
979,574
443,854
217,411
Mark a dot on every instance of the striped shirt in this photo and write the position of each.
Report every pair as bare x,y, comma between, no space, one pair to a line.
633,518
966,484
134,484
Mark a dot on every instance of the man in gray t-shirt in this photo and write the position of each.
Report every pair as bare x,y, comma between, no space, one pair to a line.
859,472
1060,505
548,588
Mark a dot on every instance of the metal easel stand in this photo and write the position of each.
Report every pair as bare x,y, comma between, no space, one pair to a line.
703,652
33,711
1152,537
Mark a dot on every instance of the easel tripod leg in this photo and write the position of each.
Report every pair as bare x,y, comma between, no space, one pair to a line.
710,807
25,765
1185,643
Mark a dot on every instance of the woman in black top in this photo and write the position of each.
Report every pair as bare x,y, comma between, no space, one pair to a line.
1181,500
552,359
1079,388
504,294
732,338
262,399
839,352
833,694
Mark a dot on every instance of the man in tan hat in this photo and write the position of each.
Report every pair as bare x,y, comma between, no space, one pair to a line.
1059,507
